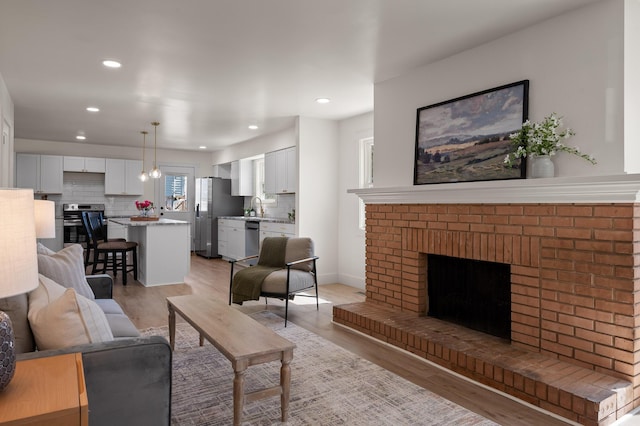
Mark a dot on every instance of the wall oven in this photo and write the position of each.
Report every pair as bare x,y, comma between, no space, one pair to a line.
74,232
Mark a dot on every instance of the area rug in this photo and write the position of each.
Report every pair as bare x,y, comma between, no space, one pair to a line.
329,386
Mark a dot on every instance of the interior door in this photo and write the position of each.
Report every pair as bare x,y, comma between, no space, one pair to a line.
5,153
175,194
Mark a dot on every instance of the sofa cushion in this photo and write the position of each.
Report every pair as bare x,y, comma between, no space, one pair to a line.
17,307
120,324
60,317
66,268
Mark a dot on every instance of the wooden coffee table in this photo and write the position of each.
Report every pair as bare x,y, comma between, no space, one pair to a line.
241,339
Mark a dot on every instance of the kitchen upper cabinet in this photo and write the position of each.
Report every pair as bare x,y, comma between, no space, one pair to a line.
281,171
242,178
84,164
42,173
121,177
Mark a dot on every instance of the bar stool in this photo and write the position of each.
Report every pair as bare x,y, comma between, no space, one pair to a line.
101,234
110,253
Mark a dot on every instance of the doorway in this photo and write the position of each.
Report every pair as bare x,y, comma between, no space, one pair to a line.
175,194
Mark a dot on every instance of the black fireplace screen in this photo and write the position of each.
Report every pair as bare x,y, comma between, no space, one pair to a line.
472,293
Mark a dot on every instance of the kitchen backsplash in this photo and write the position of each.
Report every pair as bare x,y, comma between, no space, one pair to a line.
284,205
88,188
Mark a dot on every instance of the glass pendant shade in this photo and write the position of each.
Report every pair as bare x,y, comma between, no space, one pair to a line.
155,172
143,175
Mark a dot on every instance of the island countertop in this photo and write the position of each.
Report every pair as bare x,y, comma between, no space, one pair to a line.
128,222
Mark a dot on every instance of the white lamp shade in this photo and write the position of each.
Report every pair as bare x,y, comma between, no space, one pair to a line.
45,214
18,256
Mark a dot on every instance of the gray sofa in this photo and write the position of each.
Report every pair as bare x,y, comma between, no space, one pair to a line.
128,380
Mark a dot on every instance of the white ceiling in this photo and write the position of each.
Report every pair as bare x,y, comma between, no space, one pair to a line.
206,69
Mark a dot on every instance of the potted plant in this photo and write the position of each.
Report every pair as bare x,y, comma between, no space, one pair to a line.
541,141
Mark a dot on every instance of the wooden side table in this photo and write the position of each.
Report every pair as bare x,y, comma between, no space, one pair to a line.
46,391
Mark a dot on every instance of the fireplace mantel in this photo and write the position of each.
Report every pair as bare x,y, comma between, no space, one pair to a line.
582,189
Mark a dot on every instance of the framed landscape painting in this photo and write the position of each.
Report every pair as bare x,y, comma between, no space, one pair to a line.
467,138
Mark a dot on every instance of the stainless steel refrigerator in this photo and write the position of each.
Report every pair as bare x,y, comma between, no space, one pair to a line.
213,199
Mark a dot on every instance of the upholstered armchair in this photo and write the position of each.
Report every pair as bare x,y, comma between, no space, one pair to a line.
286,267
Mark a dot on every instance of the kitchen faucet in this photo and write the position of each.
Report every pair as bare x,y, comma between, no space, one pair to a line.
256,198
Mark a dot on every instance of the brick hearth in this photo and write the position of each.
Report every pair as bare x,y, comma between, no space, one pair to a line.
574,288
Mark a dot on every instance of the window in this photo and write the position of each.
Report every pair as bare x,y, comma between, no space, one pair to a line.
366,172
175,193
258,175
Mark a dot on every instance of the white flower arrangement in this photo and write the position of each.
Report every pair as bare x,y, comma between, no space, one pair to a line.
536,139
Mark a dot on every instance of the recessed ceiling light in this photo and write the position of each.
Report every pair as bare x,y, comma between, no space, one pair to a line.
202,147
81,138
323,100
253,127
111,63
93,109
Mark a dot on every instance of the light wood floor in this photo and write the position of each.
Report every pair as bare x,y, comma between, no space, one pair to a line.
146,306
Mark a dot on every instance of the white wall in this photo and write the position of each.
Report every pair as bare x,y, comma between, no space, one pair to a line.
351,239
317,197
318,175
6,144
259,145
575,66
632,86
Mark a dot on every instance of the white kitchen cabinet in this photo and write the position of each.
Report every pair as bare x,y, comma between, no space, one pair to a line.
116,230
242,178
281,171
275,229
231,238
121,177
84,164
42,173
223,231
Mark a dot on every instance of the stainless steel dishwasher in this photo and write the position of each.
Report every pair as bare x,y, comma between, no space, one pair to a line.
252,239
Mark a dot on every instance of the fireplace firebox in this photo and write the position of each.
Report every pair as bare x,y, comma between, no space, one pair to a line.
472,293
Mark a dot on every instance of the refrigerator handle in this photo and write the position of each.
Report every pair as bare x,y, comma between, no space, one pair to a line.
198,210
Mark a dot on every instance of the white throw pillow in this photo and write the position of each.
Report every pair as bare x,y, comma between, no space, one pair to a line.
66,268
60,317
42,249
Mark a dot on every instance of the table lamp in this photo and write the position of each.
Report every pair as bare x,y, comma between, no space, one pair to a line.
45,214
18,265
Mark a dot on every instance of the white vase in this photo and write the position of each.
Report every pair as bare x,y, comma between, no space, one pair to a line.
542,167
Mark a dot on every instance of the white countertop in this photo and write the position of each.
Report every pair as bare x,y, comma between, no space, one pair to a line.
257,219
129,222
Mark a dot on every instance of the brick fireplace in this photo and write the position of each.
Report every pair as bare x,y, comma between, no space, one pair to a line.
574,252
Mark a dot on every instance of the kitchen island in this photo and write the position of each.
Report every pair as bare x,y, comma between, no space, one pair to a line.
164,249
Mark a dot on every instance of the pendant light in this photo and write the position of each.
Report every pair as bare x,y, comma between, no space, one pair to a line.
143,175
155,173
